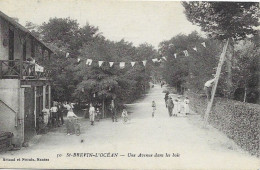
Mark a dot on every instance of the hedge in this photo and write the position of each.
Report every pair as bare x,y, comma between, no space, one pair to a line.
238,120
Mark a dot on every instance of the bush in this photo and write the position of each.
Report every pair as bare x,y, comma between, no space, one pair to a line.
238,120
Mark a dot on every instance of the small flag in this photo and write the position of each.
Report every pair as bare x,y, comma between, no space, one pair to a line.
67,55
164,58
122,65
175,55
100,63
144,62
78,59
204,44
111,64
89,62
195,49
186,53
132,63
155,60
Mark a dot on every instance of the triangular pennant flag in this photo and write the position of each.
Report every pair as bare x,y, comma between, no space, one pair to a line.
111,64
122,65
195,49
164,58
186,53
89,62
67,55
144,62
175,55
204,44
100,63
78,59
132,63
155,60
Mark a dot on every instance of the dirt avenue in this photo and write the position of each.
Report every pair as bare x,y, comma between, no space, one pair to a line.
137,142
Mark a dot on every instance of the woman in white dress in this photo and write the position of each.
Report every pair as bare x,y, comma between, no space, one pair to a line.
175,108
186,106
91,114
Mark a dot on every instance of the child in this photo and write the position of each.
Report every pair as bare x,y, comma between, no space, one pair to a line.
154,107
125,115
186,106
98,114
70,123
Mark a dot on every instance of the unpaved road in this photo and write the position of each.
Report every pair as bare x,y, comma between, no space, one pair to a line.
193,147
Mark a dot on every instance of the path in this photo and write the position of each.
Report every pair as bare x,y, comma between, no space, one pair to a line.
198,148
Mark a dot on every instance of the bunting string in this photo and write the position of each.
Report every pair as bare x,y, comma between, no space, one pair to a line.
144,62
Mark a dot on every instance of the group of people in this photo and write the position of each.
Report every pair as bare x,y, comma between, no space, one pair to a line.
178,106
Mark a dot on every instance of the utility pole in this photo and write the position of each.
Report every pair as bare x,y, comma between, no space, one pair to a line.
221,61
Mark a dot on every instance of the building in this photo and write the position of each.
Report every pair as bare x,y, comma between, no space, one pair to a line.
24,84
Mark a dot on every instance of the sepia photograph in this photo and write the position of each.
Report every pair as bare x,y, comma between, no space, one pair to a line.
129,84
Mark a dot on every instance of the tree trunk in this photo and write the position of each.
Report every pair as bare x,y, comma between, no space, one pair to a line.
245,95
229,70
103,108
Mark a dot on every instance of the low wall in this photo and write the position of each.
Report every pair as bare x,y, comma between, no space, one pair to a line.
238,120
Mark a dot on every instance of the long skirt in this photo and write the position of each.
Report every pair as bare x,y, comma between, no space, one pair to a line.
92,117
70,125
186,108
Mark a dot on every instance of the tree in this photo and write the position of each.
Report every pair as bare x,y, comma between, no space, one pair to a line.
225,20
193,71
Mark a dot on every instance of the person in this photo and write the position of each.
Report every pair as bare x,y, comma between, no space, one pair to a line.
70,123
179,108
124,115
113,111
67,106
186,106
175,108
154,107
166,98
98,114
54,110
46,115
207,88
170,106
60,114
91,114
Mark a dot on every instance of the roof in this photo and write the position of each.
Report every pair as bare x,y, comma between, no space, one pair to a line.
22,28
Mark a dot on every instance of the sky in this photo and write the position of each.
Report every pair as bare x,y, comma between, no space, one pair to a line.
134,21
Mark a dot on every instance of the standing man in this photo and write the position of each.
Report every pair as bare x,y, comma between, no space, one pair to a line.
60,114
166,98
170,106
207,87
113,111
54,110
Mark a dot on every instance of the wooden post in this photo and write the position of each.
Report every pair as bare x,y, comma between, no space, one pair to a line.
1,71
35,105
103,107
49,104
44,96
221,61
21,67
